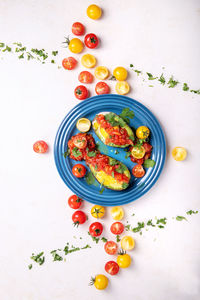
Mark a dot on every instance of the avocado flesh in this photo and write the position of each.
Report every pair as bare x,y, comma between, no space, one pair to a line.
102,134
108,181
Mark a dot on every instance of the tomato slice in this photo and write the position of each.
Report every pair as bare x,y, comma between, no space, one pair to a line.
147,147
110,247
69,63
80,141
102,88
138,171
85,77
112,267
117,228
40,147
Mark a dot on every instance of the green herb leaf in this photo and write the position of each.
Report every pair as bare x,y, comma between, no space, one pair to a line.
56,256
30,266
138,72
150,76
195,91
54,53
127,154
149,163
76,152
90,179
91,153
116,152
190,212
104,239
139,227
38,258
131,65
185,87
162,221
94,238
180,218
127,113
149,223
118,238
162,79
172,83
102,190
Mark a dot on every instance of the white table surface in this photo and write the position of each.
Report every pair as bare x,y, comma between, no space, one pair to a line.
34,214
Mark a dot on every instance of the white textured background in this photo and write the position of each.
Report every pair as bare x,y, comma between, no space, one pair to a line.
34,215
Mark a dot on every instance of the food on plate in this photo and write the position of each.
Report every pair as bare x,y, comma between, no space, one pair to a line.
78,28
79,217
111,267
110,247
79,144
120,73
94,12
98,211
96,229
127,243
88,60
100,281
40,147
123,259
91,40
83,125
179,153
74,201
117,228
101,73
138,151
122,87
102,88
85,77
138,171
117,213
113,130
142,132
75,45
81,92
69,63
79,170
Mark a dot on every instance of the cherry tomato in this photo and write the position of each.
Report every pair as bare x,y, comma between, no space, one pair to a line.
147,147
123,260
79,170
69,63
94,12
100,282
110,247
88,60
142,132
102,88
117,228
80,141
85,77
112,267
117,213
138,171
120,73
179,153
79,217
127,242
81,92
75,45
96,229
40,147
74,201
78,28
91,40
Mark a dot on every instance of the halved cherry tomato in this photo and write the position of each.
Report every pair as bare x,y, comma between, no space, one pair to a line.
80,141
85,77
117,228
179,153
81,92
102,88
74,201
40,147
138,171
112,267
147,147
91,40
138,152
79,217
78,28
110,247
96,229
79,170
69,63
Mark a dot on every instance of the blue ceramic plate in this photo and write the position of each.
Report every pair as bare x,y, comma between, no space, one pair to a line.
88,109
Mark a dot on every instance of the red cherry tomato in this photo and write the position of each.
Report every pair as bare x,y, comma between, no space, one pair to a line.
147,156
80,141
91,40
69,63
40,147
112,267
110,247
117,228
79,170
138,171
74,201
81,92
79,217
85,77
147,147
102,88
78,28
96,229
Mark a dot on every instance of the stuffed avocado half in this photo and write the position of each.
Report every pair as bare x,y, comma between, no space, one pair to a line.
112,130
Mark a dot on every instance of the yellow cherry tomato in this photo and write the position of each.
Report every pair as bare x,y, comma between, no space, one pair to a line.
98,211
117,213
122,87
83,125
88,60
100,281
179,153
124,260
120,73
101,73
94,12
138,152
75,45
142,132
127,243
